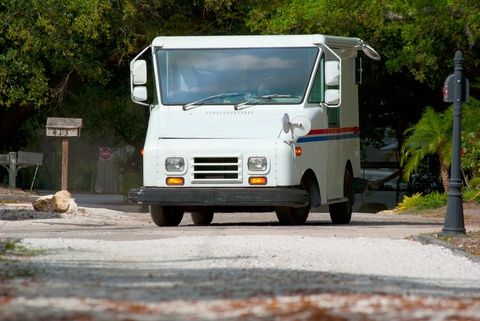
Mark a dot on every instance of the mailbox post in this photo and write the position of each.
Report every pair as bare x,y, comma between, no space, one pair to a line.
9,161
12,179
64,128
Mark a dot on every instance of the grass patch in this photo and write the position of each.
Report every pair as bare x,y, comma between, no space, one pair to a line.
3,201
12,247
11,251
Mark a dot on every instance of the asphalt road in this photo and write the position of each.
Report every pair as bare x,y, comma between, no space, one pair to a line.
127,221
139,226
367,202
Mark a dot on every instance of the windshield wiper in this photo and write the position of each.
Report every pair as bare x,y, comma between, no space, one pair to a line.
200,101
251,100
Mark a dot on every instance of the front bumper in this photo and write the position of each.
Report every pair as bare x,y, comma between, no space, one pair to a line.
185,196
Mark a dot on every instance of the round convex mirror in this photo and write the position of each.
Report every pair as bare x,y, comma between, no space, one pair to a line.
301,126
370,52
286,123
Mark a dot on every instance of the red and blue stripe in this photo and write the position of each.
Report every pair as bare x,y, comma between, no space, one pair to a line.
318,135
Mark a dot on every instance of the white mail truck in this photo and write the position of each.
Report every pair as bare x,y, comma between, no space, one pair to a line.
249,124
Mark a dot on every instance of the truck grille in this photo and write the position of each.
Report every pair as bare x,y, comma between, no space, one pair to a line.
215,169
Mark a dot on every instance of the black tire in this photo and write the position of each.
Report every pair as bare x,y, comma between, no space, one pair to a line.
293,215
341,213
202,218
166,215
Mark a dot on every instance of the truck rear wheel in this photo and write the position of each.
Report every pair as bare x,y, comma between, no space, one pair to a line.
341,213
293,215
202,218
166,215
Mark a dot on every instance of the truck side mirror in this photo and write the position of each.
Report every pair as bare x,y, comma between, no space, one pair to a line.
139,72
138,78
332,97
332,73
139,93
332,79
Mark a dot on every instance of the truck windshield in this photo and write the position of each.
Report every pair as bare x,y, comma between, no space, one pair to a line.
233,76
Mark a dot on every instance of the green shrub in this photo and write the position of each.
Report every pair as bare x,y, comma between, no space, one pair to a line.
433,200
131,179
409,202
472,195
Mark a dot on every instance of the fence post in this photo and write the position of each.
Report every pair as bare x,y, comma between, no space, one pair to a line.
12,178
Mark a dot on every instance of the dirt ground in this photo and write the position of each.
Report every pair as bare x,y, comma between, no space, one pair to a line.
20,290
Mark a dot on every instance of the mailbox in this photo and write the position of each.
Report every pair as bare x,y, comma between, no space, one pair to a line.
64,127
4,159
448,89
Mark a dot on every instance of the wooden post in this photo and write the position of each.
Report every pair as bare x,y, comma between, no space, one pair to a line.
64,127
64,163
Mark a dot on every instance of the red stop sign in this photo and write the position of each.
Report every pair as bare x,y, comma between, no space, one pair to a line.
105,153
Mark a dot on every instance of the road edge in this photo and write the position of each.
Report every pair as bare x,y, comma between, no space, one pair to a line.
426,239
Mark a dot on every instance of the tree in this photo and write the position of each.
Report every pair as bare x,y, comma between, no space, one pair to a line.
431,135
416,39
471,139
51,50
70,59
47,46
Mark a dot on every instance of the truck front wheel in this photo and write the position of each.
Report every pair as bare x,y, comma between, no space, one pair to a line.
341,213
166,215
293,215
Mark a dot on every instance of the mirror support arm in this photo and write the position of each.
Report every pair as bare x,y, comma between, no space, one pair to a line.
340,76
131,78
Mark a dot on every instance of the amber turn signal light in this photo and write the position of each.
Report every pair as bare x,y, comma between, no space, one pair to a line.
257,180
298,151
175,181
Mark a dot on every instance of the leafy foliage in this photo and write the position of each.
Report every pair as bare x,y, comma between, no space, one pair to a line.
409,202
430,135
471,139
421,202
472,195
416,39
69,58
433,135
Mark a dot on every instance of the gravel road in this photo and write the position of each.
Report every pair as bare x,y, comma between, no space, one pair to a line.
217,275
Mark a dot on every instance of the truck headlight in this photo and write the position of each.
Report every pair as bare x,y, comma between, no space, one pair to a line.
257,163
174,164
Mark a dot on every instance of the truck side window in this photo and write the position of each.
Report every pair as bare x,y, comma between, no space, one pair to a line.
318,92
333,117
318,88
333,113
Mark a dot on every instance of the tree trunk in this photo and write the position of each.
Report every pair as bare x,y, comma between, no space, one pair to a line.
444,172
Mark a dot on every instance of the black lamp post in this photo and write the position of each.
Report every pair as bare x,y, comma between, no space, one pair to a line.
454,221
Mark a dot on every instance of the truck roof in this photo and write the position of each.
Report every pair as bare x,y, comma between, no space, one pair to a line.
256,41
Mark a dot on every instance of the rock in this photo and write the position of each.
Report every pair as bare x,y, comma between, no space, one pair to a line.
60,202
73,207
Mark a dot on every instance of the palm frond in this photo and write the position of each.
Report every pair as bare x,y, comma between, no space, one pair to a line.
428,136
